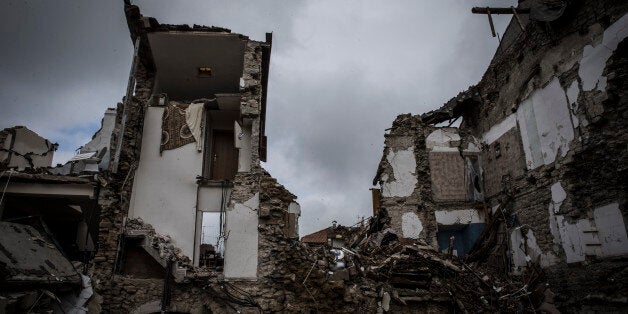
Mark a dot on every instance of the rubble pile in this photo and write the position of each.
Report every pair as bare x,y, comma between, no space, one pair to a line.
162,243
380,272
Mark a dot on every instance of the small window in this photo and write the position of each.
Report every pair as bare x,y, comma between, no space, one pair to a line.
204,72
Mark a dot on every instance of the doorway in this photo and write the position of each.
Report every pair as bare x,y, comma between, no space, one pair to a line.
224,159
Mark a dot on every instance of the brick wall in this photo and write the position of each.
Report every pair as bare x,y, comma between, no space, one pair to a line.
504,157
447,172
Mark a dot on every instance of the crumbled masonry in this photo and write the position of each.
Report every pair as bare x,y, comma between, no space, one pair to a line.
530,182
511,197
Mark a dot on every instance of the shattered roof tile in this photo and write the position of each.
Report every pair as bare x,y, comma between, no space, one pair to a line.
316,237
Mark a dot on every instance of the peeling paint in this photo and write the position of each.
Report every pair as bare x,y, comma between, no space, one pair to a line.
242,239
459,217
594,57
612,229
404,170
572,97
544,259
497,130
525,250
604,235
171,213
411,225
558,196
443,140
545,125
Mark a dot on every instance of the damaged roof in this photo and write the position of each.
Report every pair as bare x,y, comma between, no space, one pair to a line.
28,259
453,108
46,178
316,237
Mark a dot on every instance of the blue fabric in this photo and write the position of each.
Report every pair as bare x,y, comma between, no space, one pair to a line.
465,237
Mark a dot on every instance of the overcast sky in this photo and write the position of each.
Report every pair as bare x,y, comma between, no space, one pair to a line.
341,71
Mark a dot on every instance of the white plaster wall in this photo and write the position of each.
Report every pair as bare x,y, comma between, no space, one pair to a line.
525,250
545,125
447,139
7,142
209,198
603,235
459,217
499,129
27,141
594,56
565,234
102,138
612,230
545,121
411,225
165,189
517,251
545,259
404,171
443,140
242,239
243,144
572,97
295,208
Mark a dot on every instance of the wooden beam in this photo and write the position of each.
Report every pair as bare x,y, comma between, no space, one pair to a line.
375,193
487,10
514,12
490,22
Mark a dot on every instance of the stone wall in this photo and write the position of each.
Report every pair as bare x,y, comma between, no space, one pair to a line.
552,118
503,158
406,195
447,171
279,261
115,193
424,170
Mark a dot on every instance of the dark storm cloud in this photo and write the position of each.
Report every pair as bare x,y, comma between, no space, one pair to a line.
340,72
63,64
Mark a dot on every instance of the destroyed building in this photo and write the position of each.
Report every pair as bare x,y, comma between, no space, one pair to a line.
334,236
520,208
22,148
186,197
534,175
94,156
170,191
48,225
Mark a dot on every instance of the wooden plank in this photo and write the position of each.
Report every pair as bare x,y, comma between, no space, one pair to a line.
486,10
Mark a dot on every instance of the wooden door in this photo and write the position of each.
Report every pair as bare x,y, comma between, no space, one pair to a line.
224,156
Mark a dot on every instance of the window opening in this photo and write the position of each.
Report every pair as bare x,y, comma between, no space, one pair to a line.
204,72
212,248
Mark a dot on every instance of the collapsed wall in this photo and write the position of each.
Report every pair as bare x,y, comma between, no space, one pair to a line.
162,180
550,113
430,182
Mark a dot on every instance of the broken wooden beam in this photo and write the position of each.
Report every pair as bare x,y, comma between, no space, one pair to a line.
511,10
490,22
402,282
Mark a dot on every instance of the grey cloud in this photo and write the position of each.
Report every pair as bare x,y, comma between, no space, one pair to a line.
340,73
